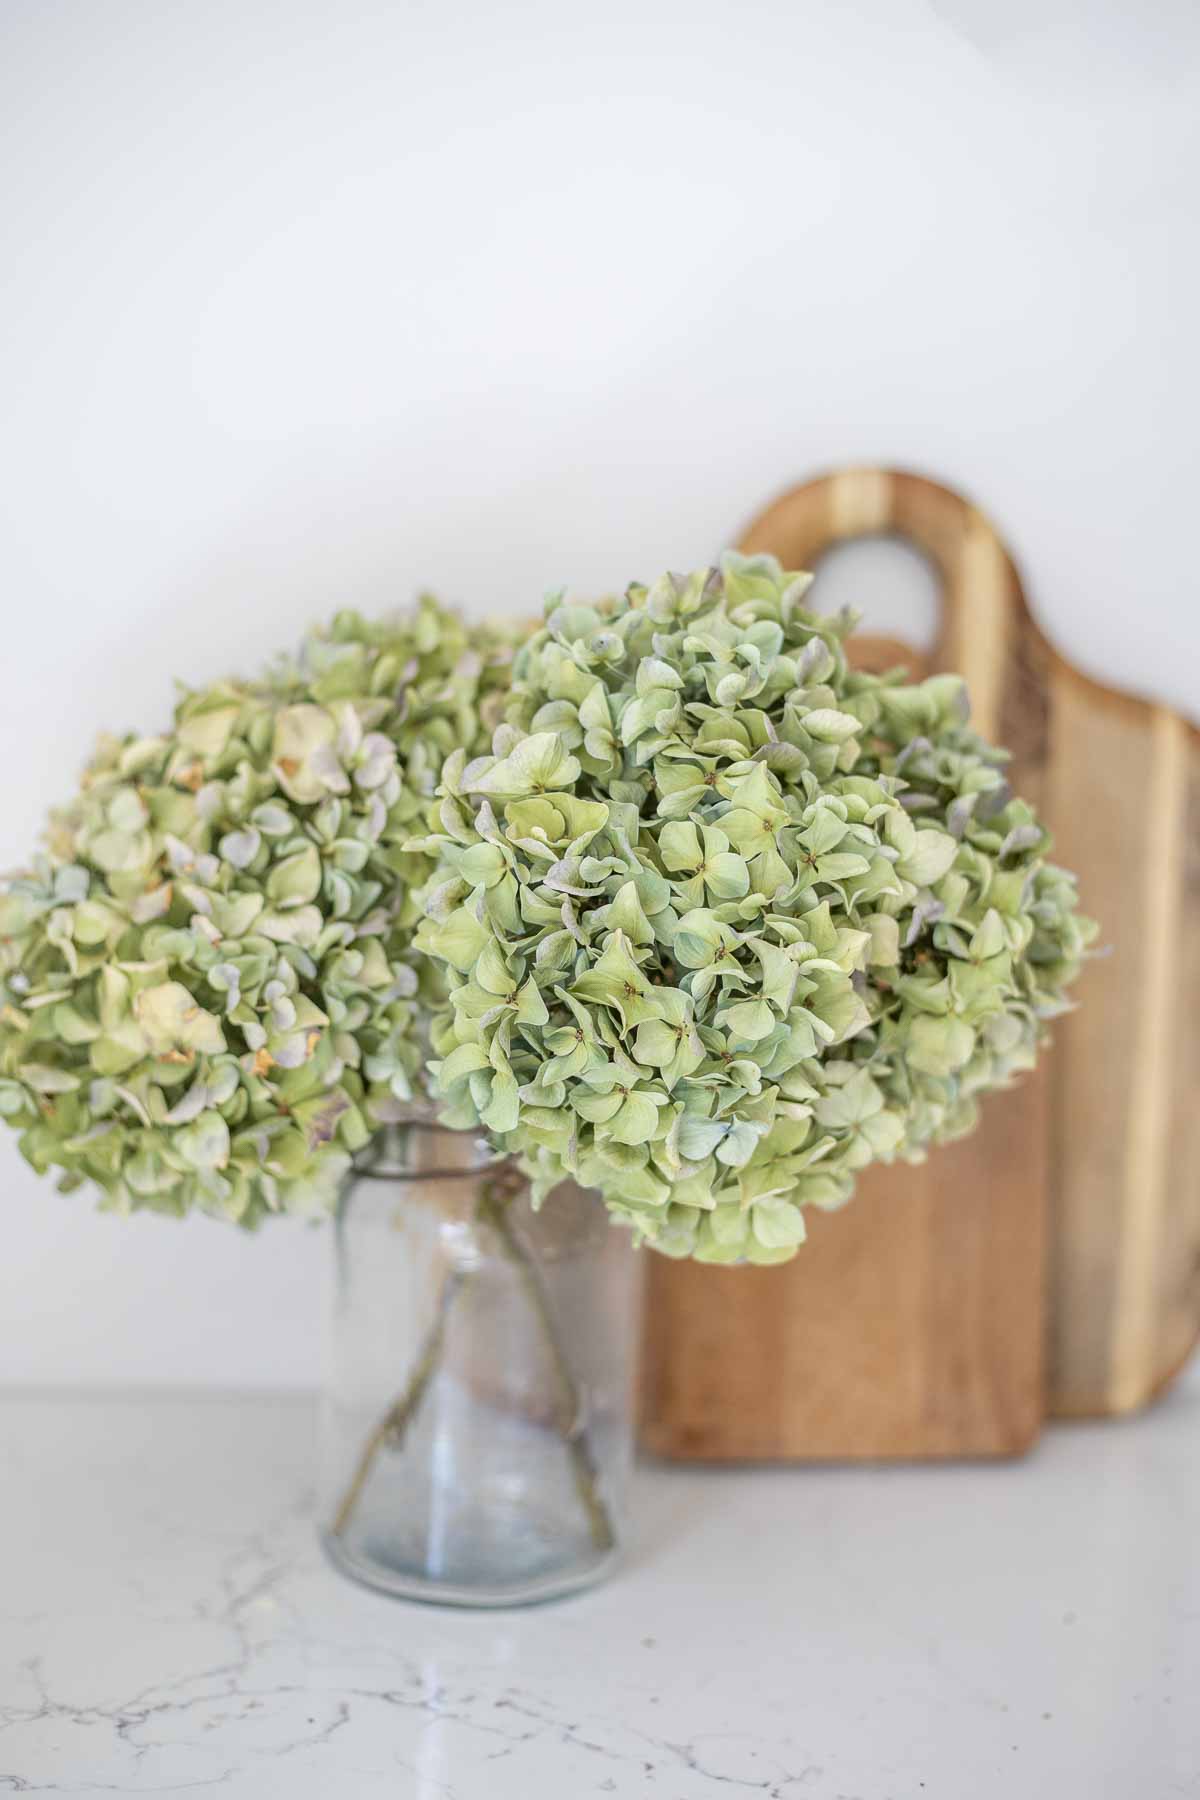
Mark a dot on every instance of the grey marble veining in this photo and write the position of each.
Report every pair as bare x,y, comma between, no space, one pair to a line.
168,1625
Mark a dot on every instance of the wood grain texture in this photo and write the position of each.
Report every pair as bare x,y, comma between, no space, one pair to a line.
914,1324
1125,803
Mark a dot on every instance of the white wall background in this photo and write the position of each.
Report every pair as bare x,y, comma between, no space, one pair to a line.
313,304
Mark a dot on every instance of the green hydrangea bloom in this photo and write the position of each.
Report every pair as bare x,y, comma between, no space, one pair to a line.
208,992
723,921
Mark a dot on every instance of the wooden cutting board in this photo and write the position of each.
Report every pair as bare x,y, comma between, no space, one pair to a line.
1052,1260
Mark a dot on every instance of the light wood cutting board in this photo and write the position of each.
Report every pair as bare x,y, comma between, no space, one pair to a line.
1051,1261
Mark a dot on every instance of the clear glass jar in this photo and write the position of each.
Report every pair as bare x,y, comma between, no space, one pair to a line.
477,1423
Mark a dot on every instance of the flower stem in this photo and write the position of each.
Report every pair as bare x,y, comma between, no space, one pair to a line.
394,1424
494,1205
392,1428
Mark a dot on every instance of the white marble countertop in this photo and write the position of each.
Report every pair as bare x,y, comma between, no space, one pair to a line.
168,1625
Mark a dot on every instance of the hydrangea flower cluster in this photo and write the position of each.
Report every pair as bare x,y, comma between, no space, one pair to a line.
208,990
723,921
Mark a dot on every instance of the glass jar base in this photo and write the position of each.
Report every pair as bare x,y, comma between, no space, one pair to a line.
390,1577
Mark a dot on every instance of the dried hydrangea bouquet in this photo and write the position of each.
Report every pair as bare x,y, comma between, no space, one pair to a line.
670,917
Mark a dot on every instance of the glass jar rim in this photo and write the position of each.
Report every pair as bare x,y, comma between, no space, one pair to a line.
389,1155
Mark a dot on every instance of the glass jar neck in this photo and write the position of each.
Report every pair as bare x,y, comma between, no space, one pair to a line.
419,1146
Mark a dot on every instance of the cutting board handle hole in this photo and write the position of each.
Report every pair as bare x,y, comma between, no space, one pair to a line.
889,581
